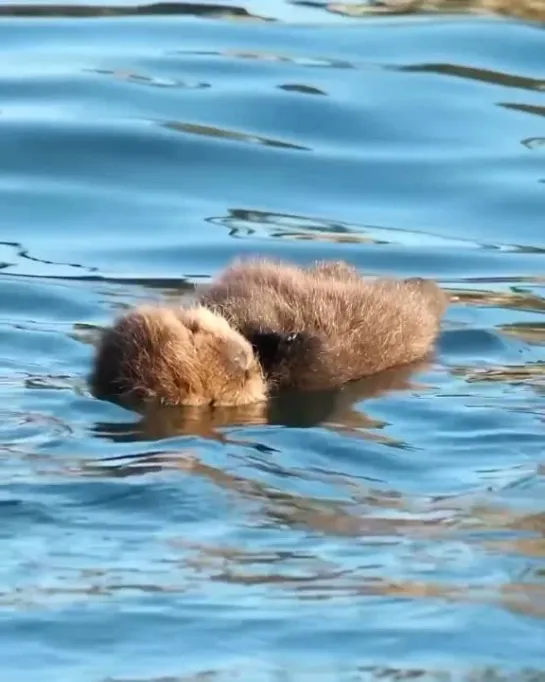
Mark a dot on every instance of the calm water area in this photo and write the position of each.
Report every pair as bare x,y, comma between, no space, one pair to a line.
394,530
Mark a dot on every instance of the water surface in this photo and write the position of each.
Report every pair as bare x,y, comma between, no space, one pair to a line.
392,531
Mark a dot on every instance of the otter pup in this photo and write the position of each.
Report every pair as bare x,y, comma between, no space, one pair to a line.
176,356
268,324
323,326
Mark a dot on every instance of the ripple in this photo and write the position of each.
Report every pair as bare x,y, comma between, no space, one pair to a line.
160,8
20,254
303,89
143,147
141,79
210,131
482,75
525,108
298,60
534,142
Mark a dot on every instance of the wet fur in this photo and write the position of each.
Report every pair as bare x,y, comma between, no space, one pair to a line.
176,356
320,327
264,325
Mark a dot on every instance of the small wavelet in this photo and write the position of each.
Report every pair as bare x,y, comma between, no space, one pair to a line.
297,60
152,81
211,131
143,148
98,11
482,75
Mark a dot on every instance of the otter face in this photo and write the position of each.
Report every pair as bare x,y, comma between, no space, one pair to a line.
177,357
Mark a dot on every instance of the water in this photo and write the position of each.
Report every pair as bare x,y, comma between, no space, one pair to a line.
393,531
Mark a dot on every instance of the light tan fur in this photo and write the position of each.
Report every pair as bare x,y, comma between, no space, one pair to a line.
177,356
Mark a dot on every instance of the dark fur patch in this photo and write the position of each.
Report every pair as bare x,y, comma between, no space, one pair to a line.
271,346
348,327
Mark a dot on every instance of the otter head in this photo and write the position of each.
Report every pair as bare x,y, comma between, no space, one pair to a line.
177,357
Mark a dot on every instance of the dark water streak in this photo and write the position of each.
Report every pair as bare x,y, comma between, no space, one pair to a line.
159,8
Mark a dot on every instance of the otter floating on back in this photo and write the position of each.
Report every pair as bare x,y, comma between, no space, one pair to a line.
266,325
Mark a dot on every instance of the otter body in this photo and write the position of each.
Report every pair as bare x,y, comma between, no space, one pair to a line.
322,326
268,325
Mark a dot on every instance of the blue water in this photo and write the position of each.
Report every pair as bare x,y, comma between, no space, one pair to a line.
394,531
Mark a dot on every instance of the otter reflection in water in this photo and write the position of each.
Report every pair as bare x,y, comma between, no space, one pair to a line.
336,409
266,326
177,356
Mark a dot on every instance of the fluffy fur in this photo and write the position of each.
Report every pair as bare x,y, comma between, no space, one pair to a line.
320,327
265,324
176,357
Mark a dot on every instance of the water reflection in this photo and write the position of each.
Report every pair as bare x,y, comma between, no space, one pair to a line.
141,79
348,673
245,222
338,410
299,60
212,131
472,73
408,514
22,253
533,333
242,222
359,511
303,89
526,9
527,374
525,108
215,11
515,299
534,142
378,518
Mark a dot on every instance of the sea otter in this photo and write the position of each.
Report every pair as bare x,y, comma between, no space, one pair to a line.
264,326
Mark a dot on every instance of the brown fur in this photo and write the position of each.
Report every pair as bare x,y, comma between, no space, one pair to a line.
310,328
320,327
177,357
